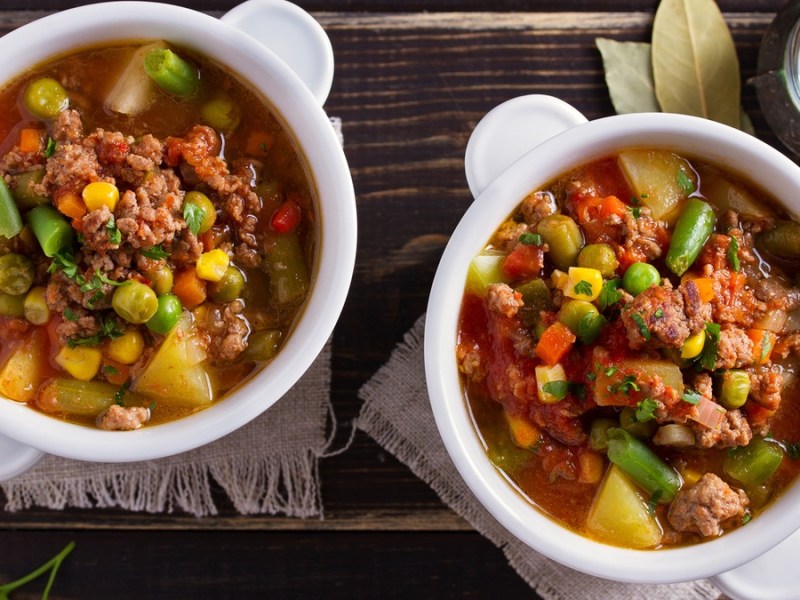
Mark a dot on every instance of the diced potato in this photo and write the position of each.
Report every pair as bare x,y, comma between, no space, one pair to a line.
545,375
619,513
524,433
655,177
484,270
175,374
669,372
22,373
727,195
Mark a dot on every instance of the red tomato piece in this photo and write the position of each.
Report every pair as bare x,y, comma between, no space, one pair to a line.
286,217
524,262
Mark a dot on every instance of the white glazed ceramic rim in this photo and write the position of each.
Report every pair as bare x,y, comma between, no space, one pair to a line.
296,106
710,141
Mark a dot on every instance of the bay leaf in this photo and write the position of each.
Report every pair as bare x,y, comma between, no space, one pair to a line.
695,67
629,75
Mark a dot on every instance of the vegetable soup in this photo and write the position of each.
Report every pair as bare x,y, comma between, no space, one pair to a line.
628,345
157,235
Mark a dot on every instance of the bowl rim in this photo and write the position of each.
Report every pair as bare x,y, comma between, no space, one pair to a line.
300,113
692,136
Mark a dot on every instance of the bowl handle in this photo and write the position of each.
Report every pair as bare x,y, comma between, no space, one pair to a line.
509,131
293,35
16,458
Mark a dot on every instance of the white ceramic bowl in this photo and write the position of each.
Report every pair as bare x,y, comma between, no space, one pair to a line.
501,169
304,42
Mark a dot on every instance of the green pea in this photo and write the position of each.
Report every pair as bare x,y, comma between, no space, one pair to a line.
16,274
229,288
135,302
161,279
574,311
201,201
564,237
734,387
167,314
45,98
262,345
12,306
639,277
221,113
600,257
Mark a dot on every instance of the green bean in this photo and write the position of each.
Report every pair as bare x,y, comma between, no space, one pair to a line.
643,466
45,98
753,464
221,113
639,277
201,201
692,231
24,194
781,240
598,433
12,306
536,298
135,302
35,306
734,387
600,257
262,345
639,429
284,263
161,279
16,274
51,229
229,288
564,237
10,219
167,314
573,312
171,73
87,398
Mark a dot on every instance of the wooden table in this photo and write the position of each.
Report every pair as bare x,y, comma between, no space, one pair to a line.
412,80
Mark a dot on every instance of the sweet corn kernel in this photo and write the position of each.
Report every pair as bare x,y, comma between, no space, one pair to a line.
693,345
524,433
127,348
583,283
559,279
100,193
82,363
212,265
35,306
545,375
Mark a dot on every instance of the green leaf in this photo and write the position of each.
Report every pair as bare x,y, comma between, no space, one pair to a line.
646,410
154,252
639,320
194,216
531,239
708,357
609,294
695,66
629,75
691,396
558,389
733,254
583,287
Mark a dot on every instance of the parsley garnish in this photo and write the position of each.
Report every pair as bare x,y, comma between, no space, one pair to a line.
628,384
154,252
120,395
609,293
531,239
583,287
557,389
659,313
746,518
708,357
70,314
50,149
687,185
109,328
733,254
65,260
194,216
110,370
636,211
590,376
639,320
652,503
610,371
691,396
645,195
645,410
114,234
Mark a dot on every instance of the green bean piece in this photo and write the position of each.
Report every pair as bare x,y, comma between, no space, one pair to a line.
135,302
16,274
209,211
734,387
167,314
639,429
601,257
86,398
171,73
573,312
639,277
10,219
598,433
221,113
651,473
35,306
284,263
229,288
12,306
753,464
564,237
781,240
45,98
262,345
51,229
161,279
694,227
24,194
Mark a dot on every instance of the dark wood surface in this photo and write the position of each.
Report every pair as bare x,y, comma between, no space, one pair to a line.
412,80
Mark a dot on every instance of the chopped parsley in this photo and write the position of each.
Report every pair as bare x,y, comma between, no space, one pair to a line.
687,185
746,518
628,384
646,410
636,211
590,376
194,216
70,314
50,149
64,260
110,370
114,234
609,293
733,255
109,328
659,313
557,389
691,396
154,252
120,395
708,356
610,371
531,239
639,320
583,287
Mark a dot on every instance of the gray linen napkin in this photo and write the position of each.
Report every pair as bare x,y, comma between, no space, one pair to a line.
397,414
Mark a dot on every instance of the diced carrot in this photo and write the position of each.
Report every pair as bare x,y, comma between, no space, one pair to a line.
115,372
763,342
613,206
738,281
30,140
554,344
208,239
70,204
258,143
705,286
524,433
588,209
189,288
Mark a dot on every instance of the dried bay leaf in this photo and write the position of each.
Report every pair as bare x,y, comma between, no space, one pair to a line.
629,75
695,67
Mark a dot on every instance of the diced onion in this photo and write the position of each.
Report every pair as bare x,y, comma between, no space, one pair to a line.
773,320
674,434
709,413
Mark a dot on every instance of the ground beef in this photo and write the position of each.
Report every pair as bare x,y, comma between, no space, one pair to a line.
735,349
787,344
641,235
537,206
123,418
96,234
507,237
68,127
71,168
228,329
698,313
733,431
734,301
503,300
144,224
657,318
766,384
469,363
704,507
